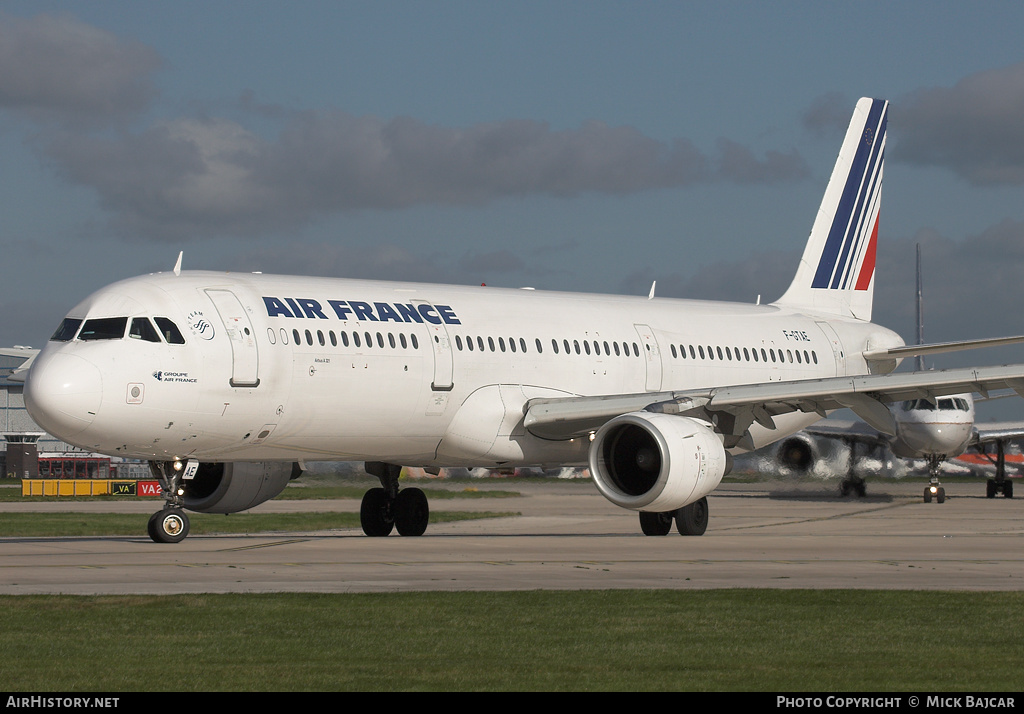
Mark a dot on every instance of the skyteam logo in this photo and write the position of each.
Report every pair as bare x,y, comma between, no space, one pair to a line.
848,258
200,326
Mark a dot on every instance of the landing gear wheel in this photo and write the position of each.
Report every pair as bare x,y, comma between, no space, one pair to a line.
375,513
940,495
655,524
928,495
990,488
168,526
1008,489
412,512
693,519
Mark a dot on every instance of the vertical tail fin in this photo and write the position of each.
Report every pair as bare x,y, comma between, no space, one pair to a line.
837,270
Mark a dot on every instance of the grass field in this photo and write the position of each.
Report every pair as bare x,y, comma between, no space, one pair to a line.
636,640
726,640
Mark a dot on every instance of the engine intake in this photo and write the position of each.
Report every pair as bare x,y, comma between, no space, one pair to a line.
797,453
657,462
237,486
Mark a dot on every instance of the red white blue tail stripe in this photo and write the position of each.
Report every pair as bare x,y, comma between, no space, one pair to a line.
848,258
836,273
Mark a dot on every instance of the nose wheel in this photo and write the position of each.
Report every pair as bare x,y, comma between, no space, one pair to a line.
934,489
169,525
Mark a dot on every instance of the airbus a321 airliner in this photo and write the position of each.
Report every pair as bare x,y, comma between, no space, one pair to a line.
227,383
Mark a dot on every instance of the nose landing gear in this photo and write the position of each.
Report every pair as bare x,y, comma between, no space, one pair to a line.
934,489
169,525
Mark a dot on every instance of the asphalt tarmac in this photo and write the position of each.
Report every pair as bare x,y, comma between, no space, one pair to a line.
761,535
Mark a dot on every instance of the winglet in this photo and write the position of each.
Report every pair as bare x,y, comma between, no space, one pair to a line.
177,266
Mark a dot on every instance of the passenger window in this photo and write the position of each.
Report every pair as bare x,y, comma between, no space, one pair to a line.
66,331
105,328
169,330
142,329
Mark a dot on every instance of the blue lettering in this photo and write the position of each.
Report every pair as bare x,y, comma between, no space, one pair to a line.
408,313
376,312
448,314
296,310
386,312
275,307
341,308
429,314
363,310
312,308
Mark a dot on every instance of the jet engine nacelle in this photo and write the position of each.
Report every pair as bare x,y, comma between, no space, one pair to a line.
657,462
237,486
797,453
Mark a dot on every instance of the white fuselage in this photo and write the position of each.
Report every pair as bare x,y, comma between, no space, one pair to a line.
940,428
293,368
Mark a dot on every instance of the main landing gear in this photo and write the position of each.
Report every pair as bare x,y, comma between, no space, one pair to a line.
387,508
169,525
934,489
999,484
853,482
690,520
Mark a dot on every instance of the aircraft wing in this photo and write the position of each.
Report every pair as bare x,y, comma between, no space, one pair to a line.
997,431
734,408
849,431
18,375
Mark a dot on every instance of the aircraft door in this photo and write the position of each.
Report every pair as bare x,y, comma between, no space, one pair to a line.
836,345
244,354
652,356
441,344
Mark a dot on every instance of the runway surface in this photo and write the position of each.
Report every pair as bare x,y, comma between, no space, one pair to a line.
762,535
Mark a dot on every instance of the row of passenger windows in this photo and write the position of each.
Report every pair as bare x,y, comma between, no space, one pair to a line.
113,328
514,344
345,339
752,354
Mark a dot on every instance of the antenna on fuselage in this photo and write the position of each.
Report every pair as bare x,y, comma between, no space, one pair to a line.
177,266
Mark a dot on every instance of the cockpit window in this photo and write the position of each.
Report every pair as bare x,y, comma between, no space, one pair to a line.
66,331
104,328
142,329
170,331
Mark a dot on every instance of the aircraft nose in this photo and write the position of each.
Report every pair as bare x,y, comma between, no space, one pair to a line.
63,393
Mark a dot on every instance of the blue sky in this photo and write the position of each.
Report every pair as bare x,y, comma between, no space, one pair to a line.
592,146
